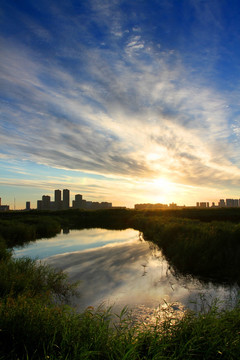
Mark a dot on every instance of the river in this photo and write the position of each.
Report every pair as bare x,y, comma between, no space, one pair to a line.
119,268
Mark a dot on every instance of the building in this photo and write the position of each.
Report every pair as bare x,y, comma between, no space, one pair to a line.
66,199
150,206
235,203
64,203
232,203
46,202
39,204
28,205
57,200
78,202
3,207
221,203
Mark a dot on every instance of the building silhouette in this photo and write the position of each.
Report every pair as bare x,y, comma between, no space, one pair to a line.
66,199
3,207
64,203
57,200
46,200
78,203
28,205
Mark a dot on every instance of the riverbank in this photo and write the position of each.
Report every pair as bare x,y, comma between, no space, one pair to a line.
33,325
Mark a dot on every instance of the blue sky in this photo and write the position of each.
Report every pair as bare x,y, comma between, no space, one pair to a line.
120,101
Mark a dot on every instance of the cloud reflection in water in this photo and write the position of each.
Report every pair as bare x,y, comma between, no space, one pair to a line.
130,273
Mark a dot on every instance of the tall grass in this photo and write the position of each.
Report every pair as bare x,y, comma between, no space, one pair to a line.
33,329
209,251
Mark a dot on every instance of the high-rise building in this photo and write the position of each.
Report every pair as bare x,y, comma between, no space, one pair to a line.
57,199
46,199
28,205
66,199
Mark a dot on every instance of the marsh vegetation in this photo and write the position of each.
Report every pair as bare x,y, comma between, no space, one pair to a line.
37,323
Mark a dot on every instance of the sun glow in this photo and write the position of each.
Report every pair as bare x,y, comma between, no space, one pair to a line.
163,184
163,189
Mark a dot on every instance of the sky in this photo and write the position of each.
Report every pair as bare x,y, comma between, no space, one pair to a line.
119,100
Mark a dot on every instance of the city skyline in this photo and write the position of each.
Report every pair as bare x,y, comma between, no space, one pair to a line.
63,200
128,102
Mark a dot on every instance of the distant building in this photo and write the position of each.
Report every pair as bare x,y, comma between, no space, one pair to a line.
57,200
3,207
221,203
150,206
28,205
235,203
46,200
78,202
39,205
66,199
204,204
232,203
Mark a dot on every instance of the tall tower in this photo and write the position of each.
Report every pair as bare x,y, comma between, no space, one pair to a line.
57,199
66,199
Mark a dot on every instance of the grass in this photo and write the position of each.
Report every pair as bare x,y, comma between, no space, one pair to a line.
35,329
209,251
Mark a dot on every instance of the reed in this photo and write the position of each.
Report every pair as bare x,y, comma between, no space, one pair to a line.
35,329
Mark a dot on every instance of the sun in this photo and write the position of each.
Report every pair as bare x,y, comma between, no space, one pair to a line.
162,189
163,183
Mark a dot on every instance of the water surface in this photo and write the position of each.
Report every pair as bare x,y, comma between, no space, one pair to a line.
119,267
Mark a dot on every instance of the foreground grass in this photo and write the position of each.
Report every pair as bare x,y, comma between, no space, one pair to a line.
33,329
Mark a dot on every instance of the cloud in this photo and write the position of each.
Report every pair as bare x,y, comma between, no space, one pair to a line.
122,110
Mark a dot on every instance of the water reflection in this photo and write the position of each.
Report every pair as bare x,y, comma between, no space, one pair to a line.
74,240
133,273
119,267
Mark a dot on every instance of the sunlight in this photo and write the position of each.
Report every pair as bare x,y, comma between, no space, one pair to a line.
163,189
163,184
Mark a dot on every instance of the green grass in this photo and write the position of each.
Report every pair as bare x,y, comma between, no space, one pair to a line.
32,328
